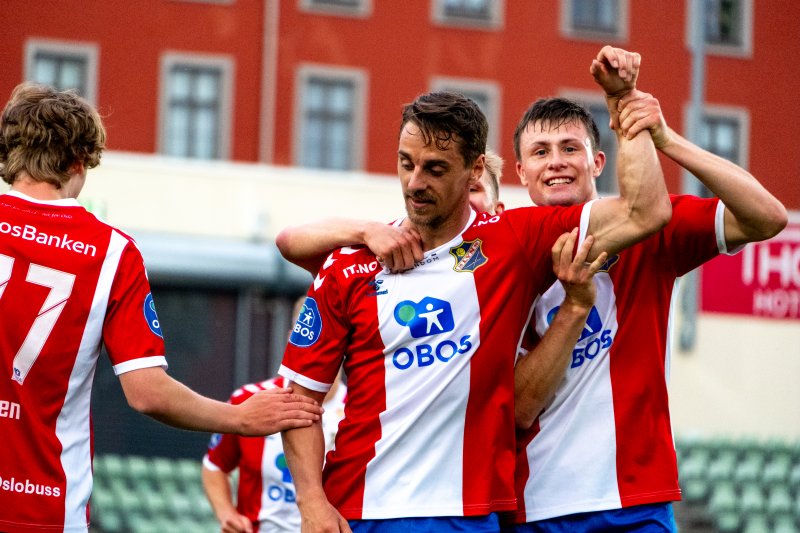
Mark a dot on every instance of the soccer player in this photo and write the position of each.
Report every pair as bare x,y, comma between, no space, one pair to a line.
484,196
69,284
596,450
265,498
427,442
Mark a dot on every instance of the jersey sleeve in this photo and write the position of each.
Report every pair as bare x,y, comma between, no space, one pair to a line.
223,452
538,228
131,331
696,232
319,336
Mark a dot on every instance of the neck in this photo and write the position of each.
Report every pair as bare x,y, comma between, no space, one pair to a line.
41,190
435,236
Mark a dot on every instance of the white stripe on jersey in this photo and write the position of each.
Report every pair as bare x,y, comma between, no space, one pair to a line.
73,426
554,459
438,414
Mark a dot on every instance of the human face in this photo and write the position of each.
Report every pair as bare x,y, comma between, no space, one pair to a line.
435,183
558,166
480,196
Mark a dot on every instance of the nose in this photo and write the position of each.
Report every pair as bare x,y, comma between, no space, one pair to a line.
416,181
555,159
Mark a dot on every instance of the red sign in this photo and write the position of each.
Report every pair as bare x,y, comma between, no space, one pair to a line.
762,280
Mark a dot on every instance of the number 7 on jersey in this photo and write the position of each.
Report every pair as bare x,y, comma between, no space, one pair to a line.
60,284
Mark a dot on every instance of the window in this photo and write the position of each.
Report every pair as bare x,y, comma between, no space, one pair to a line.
595,19
480,13
196,106
331,119
727,26
359,8
485,94
607,180
723,131
63,66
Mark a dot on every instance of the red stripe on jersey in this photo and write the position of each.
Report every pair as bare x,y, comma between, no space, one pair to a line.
362,410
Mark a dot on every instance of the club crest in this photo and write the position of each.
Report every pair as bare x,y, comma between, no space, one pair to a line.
468,255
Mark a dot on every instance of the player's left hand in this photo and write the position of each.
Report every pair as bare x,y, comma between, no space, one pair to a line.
575,273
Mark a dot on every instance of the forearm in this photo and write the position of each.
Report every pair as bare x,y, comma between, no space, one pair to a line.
539,373
305,452
218,490
756,214
154,393
643,205
309,244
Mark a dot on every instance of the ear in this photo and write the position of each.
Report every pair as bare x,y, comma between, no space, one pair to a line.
499,208
477,170
77,168
521,174
599,162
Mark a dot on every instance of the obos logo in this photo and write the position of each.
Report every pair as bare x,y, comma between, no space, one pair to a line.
151,316
309,324
593,338
430,316
214,441
278,492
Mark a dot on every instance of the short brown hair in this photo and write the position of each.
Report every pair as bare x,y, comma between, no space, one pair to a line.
43,132
555,112
445,117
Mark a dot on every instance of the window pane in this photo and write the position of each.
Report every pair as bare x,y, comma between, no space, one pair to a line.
723,22
207,88
473,9
180,84
607,180
328,116
595,15
194,116
44,71
71,74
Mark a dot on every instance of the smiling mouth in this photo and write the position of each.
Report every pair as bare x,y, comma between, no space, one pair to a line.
554,182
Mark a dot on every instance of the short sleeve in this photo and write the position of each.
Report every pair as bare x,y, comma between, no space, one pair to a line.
696,232
131,330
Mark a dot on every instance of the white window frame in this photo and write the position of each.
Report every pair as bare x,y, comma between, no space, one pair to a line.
491,89
621,35
226,66
496,21
360,79
592,98
362,10
90,51
744,50
738,114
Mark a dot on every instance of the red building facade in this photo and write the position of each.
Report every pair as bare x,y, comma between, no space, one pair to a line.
320,83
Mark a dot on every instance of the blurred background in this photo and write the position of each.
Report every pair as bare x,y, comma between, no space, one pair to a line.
231,119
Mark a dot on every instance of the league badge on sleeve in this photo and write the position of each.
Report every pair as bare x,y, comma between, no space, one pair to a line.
308,326
151,316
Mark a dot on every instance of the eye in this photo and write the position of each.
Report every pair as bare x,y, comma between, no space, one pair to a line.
540,152
570,149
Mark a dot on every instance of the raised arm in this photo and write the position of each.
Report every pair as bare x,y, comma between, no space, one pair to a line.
305,450
153,392
751,212
538,373
308,245
643,205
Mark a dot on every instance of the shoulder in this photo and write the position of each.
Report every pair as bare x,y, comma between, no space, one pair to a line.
349,262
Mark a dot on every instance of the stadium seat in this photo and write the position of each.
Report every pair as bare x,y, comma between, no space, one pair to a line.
728,522
723,498
752,500
784,523
779,500
777,469
756,523
722,466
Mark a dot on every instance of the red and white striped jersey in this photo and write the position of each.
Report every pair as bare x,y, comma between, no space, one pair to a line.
69,283
605,440
429,356
266,493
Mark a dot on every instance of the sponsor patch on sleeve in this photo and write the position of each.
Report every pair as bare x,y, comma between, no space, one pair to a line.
308,325
151,316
